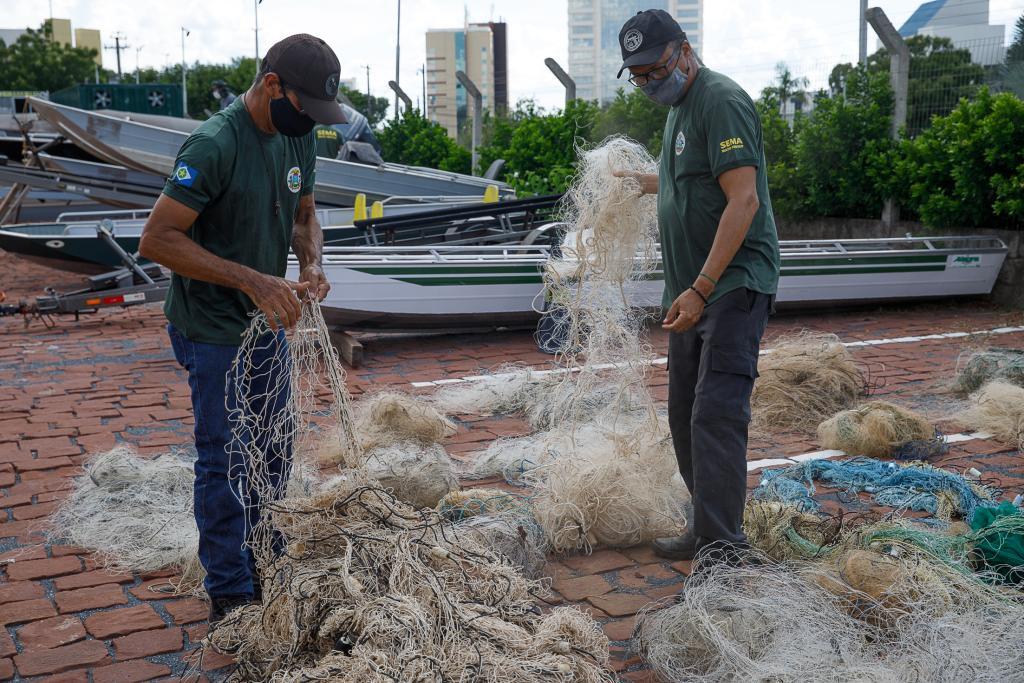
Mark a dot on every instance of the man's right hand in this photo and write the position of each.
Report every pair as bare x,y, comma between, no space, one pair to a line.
279,299
648,182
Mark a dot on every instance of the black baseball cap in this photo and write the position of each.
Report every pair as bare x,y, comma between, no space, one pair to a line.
644,36
309,66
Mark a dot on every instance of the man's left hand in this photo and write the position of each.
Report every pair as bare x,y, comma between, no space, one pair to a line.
684,312
318,284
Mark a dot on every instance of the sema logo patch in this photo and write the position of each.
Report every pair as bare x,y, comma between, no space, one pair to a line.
680,143
294,179
965,261
184,174
730,145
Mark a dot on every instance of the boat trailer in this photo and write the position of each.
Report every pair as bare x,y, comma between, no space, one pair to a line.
128,286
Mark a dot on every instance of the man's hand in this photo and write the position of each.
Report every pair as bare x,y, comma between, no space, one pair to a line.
277,298
318,284
648,182
684,312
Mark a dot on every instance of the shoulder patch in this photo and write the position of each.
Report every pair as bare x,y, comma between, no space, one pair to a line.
680,143
730,145
184,174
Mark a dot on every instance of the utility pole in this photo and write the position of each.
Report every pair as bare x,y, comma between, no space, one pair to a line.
256,29
137,72
899,75
566,79
862,22
398,54
478,114
367,112
184,70
423,75
117,47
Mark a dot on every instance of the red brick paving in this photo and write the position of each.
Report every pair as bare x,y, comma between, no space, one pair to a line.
82,387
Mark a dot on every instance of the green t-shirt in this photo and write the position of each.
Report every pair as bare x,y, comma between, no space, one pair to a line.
328,142
232,173
714,128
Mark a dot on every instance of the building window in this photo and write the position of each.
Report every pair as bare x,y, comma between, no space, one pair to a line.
688,13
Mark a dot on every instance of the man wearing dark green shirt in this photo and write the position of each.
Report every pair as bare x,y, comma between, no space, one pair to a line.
720,254
328,141
241,194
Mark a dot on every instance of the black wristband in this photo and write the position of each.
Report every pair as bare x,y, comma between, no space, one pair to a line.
702,297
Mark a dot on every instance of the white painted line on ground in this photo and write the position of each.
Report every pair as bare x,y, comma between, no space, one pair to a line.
753,465
664,361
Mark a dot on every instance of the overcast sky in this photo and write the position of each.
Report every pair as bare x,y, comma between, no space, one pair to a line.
743,38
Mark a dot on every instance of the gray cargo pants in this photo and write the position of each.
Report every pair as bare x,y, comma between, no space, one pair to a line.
711,371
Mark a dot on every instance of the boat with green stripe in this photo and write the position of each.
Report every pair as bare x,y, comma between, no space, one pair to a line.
432,287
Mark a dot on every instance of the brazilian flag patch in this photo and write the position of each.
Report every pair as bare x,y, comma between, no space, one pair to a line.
184,174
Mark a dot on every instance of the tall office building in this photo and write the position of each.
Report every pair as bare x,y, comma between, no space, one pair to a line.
90,38
480,51
965,22
594,55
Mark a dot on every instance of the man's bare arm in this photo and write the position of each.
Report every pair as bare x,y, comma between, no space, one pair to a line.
165,242
308,245
740,188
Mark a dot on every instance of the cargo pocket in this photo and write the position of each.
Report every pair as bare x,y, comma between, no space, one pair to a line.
734,360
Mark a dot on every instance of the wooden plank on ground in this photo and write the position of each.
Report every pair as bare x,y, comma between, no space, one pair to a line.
349,347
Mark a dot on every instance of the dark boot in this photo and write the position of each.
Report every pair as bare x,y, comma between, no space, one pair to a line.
221,606
677,547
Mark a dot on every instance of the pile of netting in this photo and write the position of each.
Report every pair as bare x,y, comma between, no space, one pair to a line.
599,469
904,486
998,408
370,589
804,379
879,429
981,367
868,616
135,514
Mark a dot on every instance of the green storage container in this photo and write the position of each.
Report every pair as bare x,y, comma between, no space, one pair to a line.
141,98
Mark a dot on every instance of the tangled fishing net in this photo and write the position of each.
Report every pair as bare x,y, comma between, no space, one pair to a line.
464,503
804,379
398,445
918,487
135,514
370,589
509,390
864,619
879,429
998,408
984,366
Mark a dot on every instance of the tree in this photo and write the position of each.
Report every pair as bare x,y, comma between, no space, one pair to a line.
940,75
634,115
375,111
843,155
1015,53
967,169
36,62
780,139
415,141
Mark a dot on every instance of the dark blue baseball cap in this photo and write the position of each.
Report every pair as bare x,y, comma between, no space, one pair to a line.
644,36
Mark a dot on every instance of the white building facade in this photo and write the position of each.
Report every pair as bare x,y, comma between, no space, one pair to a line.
965,22
594,55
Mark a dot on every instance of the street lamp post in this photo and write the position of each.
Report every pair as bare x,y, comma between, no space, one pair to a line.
398,53
478,115
137,72
184,70
256,29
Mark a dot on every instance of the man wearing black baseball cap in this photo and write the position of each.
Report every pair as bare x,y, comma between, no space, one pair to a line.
720,254
240,194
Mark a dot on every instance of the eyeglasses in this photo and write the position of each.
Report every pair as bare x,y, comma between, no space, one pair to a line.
658,72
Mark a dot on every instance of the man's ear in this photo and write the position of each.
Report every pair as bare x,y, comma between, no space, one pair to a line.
272,84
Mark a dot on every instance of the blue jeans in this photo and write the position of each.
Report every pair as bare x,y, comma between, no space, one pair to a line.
222,482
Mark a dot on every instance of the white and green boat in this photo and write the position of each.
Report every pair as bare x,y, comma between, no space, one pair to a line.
461,286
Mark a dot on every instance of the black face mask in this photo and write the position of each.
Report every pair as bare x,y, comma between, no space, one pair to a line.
288,120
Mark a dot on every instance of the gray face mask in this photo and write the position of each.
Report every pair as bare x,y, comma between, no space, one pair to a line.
668,90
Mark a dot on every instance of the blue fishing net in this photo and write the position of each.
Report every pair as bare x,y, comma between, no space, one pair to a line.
905,487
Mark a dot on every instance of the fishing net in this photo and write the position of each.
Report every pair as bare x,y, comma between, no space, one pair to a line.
509,390
464,503
804,379
983,366
135,514
918,487
514,537
998,540
879,429
867,618
998,408
370,589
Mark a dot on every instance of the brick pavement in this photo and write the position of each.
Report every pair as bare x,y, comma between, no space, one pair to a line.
83,387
